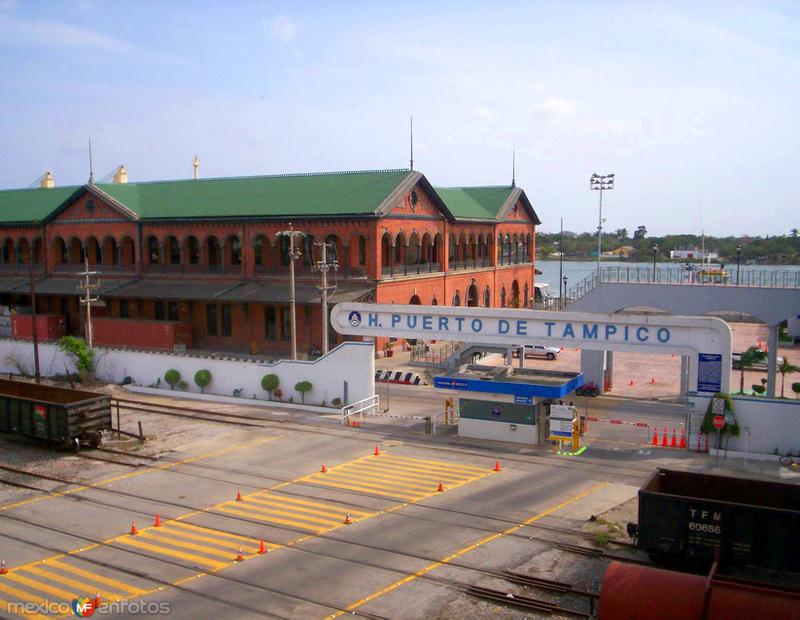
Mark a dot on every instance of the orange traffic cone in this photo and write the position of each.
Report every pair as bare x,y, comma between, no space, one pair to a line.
238,496
158,520
97,600
377,451
239,555
683,438
441,488
347,520
3,568
323,470
497,465
655,436
262,548
664,438
674,438
134,531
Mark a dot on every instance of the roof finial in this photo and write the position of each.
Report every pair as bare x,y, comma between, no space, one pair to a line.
411,163
513,168
91,166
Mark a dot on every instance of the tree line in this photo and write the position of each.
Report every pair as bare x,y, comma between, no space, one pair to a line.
784,249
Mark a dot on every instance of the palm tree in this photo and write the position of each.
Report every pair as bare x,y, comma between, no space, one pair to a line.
749,358
785,368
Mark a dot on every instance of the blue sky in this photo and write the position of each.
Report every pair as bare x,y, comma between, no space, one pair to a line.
693,106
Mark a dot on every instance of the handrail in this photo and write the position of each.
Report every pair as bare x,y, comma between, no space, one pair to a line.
359,407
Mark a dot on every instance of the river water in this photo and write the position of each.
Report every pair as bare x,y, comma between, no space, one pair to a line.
578,270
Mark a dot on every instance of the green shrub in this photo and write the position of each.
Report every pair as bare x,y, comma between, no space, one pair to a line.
182,385
759,389
80,351
172,377
707,427
336,402
796,389
269,383
202,378
278,393
303,387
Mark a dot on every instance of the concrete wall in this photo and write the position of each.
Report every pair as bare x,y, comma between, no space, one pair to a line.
351,361
499,431
772,423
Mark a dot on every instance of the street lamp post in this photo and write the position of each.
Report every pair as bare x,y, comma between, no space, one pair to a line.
293,256
738,262
565,292
655,254
600,182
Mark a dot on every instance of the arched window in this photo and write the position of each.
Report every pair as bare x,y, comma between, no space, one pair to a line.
174,251
435,302
503,297
362,251
152,250
457,299
235,249
487,297
212,248
260,250
525,299
193,250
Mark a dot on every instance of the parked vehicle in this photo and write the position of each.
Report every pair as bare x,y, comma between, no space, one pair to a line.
736,363
588,389
537,350
59,416
687,516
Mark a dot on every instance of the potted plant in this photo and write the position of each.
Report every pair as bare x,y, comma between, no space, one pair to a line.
387,349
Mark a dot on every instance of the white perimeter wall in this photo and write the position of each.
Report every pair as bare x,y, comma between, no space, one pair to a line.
773,423
351,361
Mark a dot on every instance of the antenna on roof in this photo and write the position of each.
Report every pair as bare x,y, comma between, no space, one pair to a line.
91,165
411,166
513,168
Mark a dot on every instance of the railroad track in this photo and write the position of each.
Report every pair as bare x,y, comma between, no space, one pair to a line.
528,581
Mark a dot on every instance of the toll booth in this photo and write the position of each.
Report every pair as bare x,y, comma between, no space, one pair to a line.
505,403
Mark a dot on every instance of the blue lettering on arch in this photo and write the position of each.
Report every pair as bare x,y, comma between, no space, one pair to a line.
443,324
627,329
395,319
411,321
550,325
460,322
610,331
427,322
639,336
372,319
663,335
522,328
589,333
568,331
503,326
477,325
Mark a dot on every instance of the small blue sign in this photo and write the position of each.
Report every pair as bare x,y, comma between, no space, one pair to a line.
709,372
523,400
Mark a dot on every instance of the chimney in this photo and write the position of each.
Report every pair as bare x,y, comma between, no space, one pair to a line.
47,180
196,164
121,175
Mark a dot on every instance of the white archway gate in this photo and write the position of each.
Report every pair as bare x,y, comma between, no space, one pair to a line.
705,341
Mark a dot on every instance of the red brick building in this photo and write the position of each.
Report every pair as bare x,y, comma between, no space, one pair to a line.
207,253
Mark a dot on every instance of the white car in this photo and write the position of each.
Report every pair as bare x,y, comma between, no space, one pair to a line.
537,350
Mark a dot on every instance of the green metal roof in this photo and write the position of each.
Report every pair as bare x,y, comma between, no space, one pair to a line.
338,193
32,205
475,202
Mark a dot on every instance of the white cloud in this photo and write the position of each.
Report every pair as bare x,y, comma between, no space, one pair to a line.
7,5
483,112
283,28
555,106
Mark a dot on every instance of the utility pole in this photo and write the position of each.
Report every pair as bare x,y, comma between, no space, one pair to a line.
293,256
35,328
324,266
87,287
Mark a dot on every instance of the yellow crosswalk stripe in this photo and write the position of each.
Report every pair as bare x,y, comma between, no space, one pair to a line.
374,491
331,506
432,463
390,479
412,472
41,587
20,594
253,515
385,483
210,531
175,542
229,544
189,557
6,607
118,585
82,586
298,509
269,509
